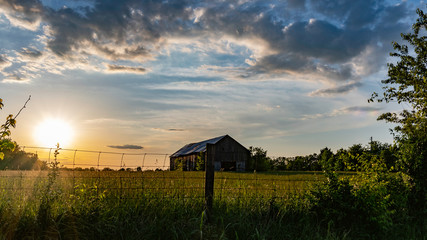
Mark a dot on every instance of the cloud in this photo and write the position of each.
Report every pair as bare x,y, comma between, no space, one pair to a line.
296,64
323,40
126,146
336,90
175,130
23,14
315,47
296,3
31,52
170,129
4,63
323,47
117,29
265,108
15,78
121,68
342,111
111,121
330,41
359,109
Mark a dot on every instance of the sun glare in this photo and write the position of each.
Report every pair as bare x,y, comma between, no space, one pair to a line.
52,131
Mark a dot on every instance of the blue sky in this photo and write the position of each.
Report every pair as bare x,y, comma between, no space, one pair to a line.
289,76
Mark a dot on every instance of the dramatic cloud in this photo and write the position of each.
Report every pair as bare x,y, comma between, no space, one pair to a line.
160,73
327,42
22,14
126,146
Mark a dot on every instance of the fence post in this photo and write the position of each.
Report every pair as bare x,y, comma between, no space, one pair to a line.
209,181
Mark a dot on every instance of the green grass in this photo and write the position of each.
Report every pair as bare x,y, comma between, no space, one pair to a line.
162,184
169,205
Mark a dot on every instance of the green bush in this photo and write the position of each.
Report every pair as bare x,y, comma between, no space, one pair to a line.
333,201
371,201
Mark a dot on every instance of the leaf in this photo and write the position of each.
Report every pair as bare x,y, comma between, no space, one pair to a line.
12,122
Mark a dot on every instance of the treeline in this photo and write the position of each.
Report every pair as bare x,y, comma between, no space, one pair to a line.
355,158
107,169
17,159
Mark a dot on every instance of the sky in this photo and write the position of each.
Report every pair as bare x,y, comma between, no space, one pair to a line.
289,76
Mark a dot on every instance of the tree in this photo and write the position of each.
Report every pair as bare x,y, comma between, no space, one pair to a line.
327,159
179,164
313,162
200,162
18,159
279,163
407,83
258,160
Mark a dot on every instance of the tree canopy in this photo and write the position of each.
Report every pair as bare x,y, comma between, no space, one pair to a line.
407,83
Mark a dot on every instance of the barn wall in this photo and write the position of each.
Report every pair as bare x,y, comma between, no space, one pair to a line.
171,163
228,153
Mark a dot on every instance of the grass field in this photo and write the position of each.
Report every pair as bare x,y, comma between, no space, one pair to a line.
170,205
228,186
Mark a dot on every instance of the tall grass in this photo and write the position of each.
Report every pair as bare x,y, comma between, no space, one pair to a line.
170,205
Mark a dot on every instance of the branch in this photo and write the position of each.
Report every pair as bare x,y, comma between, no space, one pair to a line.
25,105
11,121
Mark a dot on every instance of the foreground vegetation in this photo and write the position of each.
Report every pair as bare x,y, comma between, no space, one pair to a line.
170,205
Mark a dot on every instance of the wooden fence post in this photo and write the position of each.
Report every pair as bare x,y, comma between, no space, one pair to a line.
209,181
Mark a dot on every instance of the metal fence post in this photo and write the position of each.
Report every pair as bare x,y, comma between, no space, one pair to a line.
209,181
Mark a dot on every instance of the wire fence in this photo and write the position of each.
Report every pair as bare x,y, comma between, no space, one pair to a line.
98,160
85,174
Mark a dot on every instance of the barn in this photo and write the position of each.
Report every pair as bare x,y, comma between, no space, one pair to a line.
228,154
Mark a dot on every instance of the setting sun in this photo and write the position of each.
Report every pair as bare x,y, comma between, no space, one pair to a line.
52,131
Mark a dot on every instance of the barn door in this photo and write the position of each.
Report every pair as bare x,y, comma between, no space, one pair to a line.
228,166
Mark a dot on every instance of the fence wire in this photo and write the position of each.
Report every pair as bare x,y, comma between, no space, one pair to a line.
86,174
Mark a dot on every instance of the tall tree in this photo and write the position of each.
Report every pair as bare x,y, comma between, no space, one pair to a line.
407,83
327,159
258,159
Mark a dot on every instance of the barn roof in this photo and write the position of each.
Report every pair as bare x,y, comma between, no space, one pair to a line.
196,147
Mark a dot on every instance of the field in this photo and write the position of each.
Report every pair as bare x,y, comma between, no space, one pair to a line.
170,205
229,186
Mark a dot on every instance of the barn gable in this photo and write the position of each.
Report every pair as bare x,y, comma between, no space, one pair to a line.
229,154
198,147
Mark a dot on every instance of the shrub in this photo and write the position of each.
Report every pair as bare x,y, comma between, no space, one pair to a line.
370,201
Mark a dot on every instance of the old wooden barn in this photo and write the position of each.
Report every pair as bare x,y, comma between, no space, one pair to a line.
228,155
